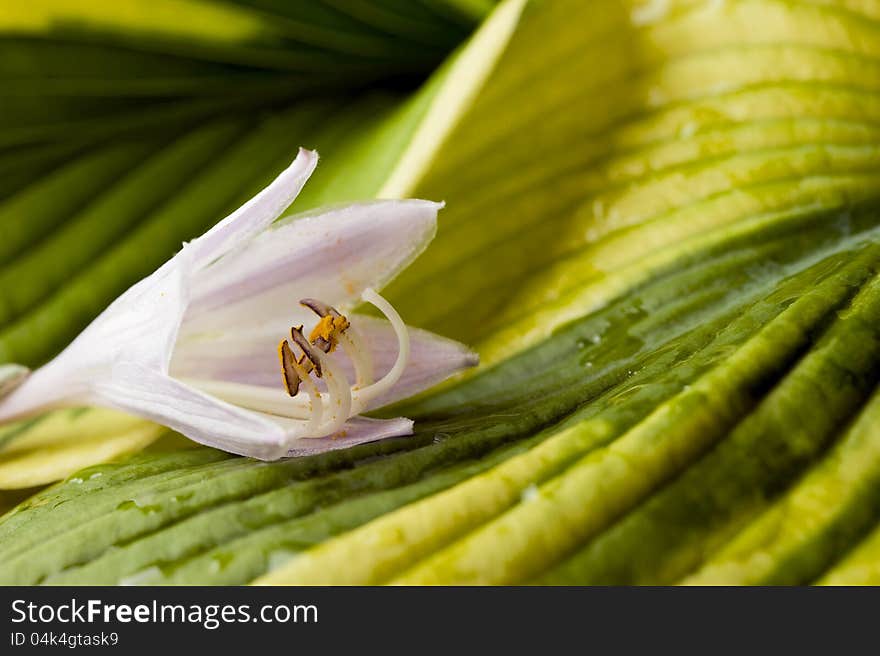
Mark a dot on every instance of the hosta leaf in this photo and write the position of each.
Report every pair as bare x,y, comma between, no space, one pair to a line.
861,567
564,172
50,446
83,73
560,193
63,444
388,158
309,37
799,535
745,326
11,498
49,200
620,462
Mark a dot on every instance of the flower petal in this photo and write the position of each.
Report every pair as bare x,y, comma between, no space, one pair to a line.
141,325
212,422
202,418
11,376
249,356
257,214
332,255
432,358
357,430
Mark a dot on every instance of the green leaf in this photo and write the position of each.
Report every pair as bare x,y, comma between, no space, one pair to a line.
84,73
50,446
233,520
801,533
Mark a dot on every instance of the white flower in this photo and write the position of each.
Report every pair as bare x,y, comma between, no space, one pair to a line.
195,345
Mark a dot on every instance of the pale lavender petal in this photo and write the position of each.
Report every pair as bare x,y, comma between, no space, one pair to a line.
358,430
332,255
255,215
11,376
141,325
199,416
249,357
432,358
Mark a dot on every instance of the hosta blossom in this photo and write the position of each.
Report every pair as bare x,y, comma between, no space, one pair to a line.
242,340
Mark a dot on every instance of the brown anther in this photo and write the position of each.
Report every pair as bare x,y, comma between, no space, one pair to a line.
319,308
288,371
325,334
309,356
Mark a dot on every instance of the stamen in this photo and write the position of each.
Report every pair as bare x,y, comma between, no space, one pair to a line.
319,308
289,367
256,397
331,330
309,353
316,401
339,392
360,356
325,335
364,396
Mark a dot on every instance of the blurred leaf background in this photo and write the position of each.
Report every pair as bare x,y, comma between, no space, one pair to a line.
660,234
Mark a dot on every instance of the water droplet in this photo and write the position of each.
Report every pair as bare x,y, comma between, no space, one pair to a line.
141,504
530,493
656,96
143,577
279,557
688,129
649,11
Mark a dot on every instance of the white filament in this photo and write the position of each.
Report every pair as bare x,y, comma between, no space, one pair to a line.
360,356
338,395
364,396
315,400
271,400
